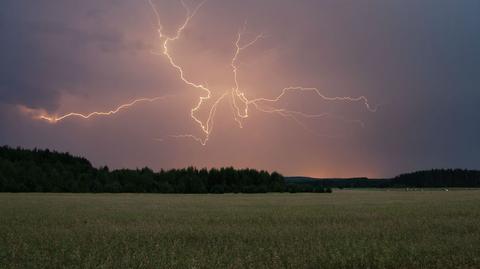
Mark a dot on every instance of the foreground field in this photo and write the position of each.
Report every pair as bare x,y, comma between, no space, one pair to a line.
346,229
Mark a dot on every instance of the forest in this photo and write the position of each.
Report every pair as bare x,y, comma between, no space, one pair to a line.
23,170
439,178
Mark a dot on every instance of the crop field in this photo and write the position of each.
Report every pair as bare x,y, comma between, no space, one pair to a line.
345,229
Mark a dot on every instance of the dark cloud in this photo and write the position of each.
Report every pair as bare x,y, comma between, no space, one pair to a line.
45,53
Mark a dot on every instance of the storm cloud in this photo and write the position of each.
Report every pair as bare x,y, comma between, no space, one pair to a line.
418,60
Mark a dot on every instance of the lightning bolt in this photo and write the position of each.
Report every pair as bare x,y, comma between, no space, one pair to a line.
43,115
257,103
240,103
206,125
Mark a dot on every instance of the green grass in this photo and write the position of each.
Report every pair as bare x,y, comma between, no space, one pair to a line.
346,229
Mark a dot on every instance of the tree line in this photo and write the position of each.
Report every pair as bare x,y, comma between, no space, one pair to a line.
438,178
23,170
435,178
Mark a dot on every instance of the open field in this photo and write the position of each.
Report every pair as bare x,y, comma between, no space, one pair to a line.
346,229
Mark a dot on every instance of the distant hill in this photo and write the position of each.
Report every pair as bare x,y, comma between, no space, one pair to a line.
361,182
435,178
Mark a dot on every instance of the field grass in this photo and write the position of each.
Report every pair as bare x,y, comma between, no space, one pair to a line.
346,229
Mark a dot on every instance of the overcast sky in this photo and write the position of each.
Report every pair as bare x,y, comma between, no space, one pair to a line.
418,60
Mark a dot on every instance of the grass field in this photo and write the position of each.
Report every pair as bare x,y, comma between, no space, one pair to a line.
346,229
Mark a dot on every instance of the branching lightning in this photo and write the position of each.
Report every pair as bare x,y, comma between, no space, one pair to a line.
41,114
239,101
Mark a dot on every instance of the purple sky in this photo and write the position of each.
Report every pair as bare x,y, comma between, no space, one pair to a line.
418,60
